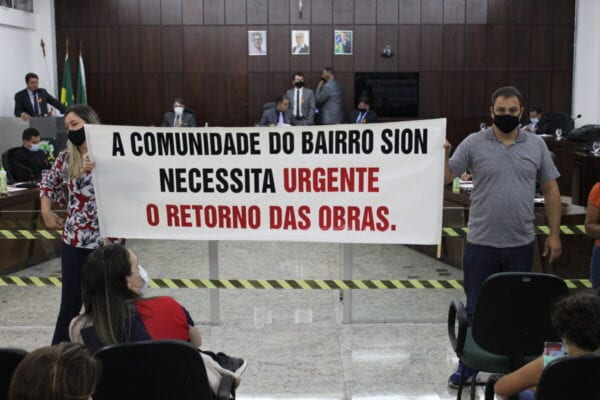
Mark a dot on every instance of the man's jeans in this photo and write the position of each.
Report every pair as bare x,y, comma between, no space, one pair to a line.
479,262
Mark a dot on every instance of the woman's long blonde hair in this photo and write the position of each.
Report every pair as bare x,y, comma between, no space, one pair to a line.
87,114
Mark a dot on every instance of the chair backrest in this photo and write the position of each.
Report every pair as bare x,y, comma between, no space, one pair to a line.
9,360
513,310
571,378
162,369
8,166
553,120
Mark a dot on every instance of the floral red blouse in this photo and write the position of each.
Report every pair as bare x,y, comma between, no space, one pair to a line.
81,224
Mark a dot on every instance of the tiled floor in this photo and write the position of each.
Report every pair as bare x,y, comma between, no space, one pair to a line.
294,340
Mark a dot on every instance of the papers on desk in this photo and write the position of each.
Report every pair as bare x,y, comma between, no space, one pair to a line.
546,135
466,184
12,189
538,200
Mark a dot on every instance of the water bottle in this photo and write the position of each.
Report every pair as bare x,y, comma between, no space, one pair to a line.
456,185
3,183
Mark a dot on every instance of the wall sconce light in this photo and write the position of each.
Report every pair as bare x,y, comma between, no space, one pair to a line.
300,8
387,51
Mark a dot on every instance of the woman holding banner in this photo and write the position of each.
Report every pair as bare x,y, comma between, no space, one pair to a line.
80,230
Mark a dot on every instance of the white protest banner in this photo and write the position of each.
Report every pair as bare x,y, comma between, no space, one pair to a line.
360,183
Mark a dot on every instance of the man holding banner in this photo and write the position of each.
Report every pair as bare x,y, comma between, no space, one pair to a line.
506,163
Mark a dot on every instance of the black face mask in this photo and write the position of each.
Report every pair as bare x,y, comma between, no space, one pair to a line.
299,84
362,109
77,137
506,123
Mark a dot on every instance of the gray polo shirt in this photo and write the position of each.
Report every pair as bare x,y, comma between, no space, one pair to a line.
504,179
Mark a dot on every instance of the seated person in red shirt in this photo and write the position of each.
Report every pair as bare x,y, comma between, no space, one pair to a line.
28,161
116,311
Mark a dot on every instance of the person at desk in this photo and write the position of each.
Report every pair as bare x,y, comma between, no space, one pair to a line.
363,113
33,101
535,115
179,116
278,115
302,101
592,229
28,161
505,163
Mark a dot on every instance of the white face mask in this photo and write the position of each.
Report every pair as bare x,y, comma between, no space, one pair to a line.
144,275
534,120
178,110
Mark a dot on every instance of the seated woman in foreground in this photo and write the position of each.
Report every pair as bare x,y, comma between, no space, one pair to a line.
116,311
576,319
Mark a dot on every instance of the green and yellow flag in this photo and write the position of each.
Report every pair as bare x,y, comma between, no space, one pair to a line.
66,90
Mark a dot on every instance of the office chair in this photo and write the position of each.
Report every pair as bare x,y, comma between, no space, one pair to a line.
9,360
510,323
154,370
571,378
8,166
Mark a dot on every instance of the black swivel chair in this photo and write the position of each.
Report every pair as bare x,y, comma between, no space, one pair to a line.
571,378
9,360
155,370
7,156
510,323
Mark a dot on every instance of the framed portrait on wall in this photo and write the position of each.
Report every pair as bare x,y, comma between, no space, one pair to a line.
257,43
300,42
342,43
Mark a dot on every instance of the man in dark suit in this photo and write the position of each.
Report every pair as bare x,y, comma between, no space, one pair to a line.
329,98
179,116
302,102
278,115
363,113
33,101
28,161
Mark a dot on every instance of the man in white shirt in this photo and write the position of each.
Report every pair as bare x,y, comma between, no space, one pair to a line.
302,101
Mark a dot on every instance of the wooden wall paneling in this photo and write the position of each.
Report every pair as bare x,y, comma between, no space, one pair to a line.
456,130
172,48
279,48
130,54
476,98
152,107
192,86
321,47
563,12
432,11
258,93
94,83
521,80
499,11
493,81
409,12
87,16
201,45
475,47
476,11
365,48
453,48
108,49
257,12
343,11
454,11
322,11
89,37
562,46
65,13
520,48
346,62
561,93
279,12
233,59
108,11
409,47
543,12
295,17
150,12
235,12
387,11
172,87
523,12
234,99
171,12
541,48
453,95
346,80
151,49
192,12
430,94
386,35
129,12
279,83
214,12
365,12
497,48
431,47
540,91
